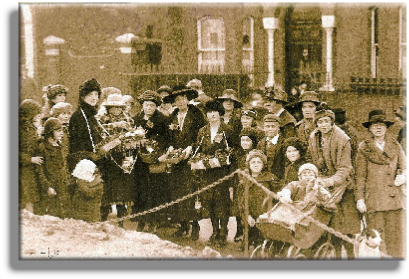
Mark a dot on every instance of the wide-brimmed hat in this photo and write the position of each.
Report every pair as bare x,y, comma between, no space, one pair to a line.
377,116
230,94
115,100
50,125
164,88
178,90
150,95
214,106
54,90
105,92
195,84
276,94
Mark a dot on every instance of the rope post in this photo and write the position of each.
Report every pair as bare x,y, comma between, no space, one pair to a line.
246,224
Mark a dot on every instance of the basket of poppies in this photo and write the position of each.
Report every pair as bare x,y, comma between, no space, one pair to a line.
149,151
201,161
173,156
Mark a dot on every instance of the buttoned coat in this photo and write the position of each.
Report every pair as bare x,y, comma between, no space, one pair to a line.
375,175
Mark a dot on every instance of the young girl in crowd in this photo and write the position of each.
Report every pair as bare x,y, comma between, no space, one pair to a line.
55,94
258,199
53,175
63,111
295,153
86,201
28,145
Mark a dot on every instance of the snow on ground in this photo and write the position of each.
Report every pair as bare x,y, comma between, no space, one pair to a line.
42,237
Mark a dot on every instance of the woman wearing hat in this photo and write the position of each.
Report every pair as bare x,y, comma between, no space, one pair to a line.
184,125
213,137
153,188
119,184
248,120
232,115
275,101
307,104
53,175
165,108
380,176
330,150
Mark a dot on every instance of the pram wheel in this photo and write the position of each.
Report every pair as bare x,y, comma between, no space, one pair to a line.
262,251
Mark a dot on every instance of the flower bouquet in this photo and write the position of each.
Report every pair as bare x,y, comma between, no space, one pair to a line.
149,151
202,161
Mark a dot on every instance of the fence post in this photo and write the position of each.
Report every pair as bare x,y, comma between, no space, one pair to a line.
246,225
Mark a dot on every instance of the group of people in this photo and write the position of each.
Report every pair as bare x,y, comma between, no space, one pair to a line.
190,140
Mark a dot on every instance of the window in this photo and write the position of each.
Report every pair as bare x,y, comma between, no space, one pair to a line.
374,41
402,41
211,44
248,47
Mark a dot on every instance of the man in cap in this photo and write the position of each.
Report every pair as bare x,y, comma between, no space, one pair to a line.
308,104
275,101
202,98
273,145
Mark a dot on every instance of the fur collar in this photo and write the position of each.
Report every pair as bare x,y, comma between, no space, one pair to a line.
377,156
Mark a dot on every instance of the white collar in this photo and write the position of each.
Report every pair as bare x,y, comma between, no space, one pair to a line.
381,146
274,139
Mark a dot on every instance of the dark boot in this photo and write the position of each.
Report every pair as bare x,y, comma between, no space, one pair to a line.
104,212
141,226
239,233
214,238
195,231
223,232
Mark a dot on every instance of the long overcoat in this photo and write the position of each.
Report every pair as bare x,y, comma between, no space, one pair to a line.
334,164
28,145
181,178
219,195
54,173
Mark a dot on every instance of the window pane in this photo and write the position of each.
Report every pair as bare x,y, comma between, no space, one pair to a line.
212,33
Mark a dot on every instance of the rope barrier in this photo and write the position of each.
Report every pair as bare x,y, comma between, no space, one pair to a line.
255,182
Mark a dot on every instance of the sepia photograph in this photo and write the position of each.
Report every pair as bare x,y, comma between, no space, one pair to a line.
265,131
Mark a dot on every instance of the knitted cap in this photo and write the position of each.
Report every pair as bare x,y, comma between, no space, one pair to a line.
59,108
28,109
50,125
256,153
54,90
85,170
308,166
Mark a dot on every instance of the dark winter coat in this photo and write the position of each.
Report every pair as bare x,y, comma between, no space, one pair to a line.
219,196
53,173
291,170
334,164
28,145
275,157
86,201
375,175
287,124
257,196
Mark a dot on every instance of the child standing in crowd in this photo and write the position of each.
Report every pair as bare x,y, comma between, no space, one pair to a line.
53,174
88,193
295,153
258,199
55,94
28,145
63,111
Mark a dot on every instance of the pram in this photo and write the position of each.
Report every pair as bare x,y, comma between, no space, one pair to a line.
285,225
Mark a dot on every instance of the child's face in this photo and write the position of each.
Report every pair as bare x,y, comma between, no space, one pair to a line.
58,134
64,117
307,176
293,154
115,110
256,165
58,99
246,121
246,142
271,129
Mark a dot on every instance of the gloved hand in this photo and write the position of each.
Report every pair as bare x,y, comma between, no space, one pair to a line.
400,179
361,206
251,221
284,196
37,160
